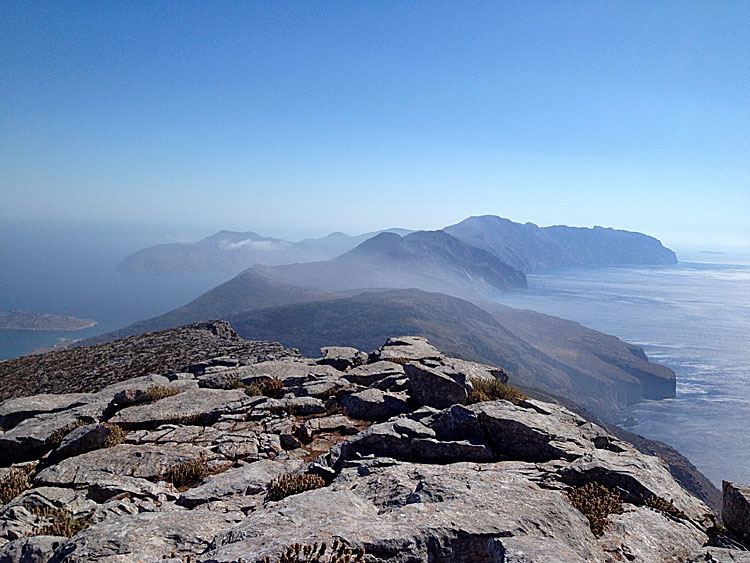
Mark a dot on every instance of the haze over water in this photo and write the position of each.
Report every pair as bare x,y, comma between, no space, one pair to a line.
692,317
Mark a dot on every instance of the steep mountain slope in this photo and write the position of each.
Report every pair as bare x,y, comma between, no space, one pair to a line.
429,260
248,291
529,248
595,370
231,251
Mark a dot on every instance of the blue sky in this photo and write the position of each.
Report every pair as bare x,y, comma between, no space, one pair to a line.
295,119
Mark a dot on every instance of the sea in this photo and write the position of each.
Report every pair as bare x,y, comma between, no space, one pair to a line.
693,317
70,268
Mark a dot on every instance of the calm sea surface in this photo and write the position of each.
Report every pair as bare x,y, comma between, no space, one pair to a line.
692,317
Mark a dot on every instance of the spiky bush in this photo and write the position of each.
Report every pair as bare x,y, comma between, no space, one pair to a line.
155,392
15,482
272,387
56,438
485,390
116,435
292,483
661,504
596,502
187,474
319,553
59,522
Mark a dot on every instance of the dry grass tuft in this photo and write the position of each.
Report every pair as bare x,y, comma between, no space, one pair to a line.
661,504
15,482
401,361
155,392
116,435
484,390
187,474
596,502
318,553
272,387
291,484
59,522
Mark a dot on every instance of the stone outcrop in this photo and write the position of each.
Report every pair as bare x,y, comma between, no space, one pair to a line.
403,463
736,509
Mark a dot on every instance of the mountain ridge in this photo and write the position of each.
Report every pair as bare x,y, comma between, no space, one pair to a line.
530,248
525,247
234,251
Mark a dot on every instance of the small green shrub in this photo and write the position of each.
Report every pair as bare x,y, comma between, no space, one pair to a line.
272,387
318,553
291,484
56,438
484,390
155,392
187,474
14,483
116,435
596,502
60,522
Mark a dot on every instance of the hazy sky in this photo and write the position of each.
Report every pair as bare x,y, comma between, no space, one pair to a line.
295,119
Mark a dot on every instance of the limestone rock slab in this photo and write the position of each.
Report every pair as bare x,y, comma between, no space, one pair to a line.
14,411
201,405
143,461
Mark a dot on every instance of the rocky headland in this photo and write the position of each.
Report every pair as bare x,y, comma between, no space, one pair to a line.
23,320
252,452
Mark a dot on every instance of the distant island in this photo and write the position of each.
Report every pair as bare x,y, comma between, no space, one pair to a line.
525,247
22,320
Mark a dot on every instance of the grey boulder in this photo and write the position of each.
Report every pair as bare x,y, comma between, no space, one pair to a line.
374,404
736,509
35,549
341,357
192,406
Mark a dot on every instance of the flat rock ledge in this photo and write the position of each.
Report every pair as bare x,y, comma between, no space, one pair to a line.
178,466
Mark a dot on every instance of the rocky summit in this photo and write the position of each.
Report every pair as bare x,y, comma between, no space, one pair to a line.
401,454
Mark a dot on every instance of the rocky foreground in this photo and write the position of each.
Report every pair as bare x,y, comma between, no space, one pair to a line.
399,455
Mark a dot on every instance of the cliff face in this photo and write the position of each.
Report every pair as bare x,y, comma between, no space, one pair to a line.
530,248
404,453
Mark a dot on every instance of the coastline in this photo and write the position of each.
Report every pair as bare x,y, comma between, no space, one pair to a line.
14,327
